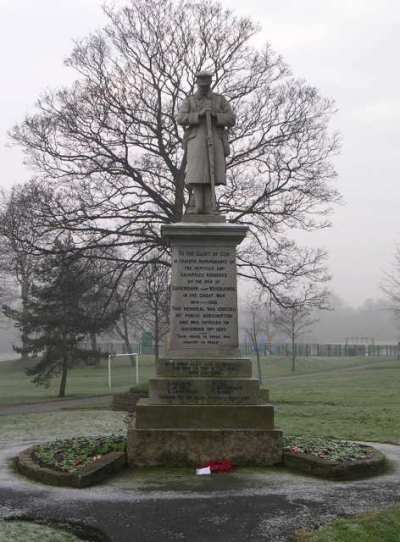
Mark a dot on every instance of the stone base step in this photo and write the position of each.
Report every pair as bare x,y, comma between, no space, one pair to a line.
158,416
195,447
204,390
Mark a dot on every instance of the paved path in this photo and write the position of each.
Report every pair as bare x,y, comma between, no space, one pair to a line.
57,404
248,505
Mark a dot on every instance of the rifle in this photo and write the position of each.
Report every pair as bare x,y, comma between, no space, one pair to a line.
211,159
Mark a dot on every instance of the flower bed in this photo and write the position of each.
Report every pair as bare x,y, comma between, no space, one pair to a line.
73,454
332,458
76,462
84,461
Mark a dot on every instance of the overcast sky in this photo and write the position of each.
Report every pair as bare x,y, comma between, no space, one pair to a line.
347,48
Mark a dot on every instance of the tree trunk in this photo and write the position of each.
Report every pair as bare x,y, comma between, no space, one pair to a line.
124,334
63,382
24,299
93,346
93,342
127,341
259,366
156,333
293,333
293,353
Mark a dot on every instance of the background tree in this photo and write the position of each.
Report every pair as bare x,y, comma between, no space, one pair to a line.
19,233
109,150
143,297
153,291
255,327
391,285
106,275
298,315
59,314
132,311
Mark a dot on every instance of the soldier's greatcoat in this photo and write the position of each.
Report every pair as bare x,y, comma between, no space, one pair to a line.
197,168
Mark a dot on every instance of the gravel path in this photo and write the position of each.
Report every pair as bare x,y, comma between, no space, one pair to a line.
168,506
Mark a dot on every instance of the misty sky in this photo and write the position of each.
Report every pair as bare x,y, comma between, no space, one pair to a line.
349,49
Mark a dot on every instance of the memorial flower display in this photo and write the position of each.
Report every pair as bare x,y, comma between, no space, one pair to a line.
73,454
328,449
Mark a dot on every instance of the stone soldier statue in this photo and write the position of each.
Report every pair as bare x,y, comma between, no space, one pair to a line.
205,117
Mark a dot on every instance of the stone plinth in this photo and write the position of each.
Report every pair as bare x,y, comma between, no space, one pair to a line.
203,403
191,447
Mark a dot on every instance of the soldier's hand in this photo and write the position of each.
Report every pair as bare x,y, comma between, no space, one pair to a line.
204,110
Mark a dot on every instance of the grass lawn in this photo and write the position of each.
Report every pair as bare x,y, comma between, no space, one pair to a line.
354,398
16,387
360,401
373,527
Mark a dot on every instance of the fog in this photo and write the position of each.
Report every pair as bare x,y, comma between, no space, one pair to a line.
369,321
347,49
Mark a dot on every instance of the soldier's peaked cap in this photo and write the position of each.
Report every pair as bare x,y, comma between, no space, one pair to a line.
204,75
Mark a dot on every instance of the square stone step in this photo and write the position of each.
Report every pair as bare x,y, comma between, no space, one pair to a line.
206,368
211,391
158,416
195,447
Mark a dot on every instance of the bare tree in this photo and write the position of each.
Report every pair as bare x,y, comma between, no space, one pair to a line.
110,152
8,292
255,328
390,286
132,312
19,231
298,315
144,300
105,276
153,292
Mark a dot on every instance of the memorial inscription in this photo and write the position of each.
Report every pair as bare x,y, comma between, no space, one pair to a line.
204,391
209,368
204,298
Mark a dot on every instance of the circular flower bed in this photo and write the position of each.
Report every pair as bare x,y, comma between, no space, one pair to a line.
76,462
331,458
75,453
329,449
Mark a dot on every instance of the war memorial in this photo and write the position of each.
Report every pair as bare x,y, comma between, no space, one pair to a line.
204,404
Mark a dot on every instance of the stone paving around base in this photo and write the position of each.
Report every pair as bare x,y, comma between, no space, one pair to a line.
162,506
